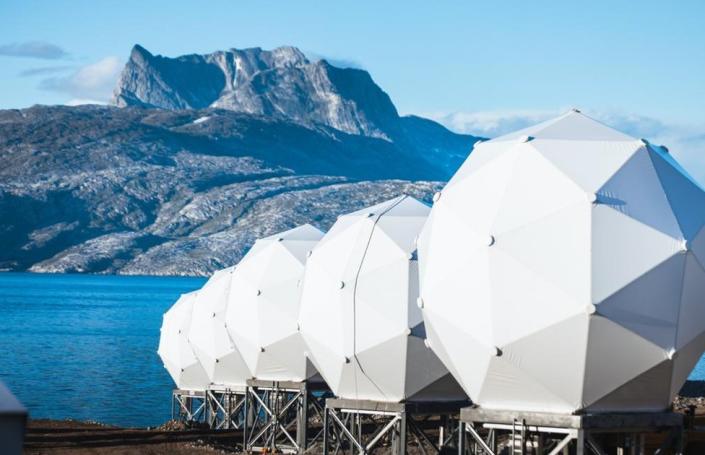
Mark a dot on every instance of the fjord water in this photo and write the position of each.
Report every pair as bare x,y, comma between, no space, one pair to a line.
84,346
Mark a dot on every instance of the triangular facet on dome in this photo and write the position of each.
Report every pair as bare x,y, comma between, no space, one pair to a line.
572,126
650,304
619,255
556,247
536,189
589,163
636,191
523,302
692,302
687,199
537,352
606,366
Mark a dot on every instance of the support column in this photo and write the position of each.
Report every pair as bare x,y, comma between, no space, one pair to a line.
580,442
402,433
461,437
302,421
326,430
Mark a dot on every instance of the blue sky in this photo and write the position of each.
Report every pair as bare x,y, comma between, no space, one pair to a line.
482,67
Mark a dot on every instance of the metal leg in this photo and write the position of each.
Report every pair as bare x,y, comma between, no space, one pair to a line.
325,431
302,422
580,443
245,421
402,434
461,438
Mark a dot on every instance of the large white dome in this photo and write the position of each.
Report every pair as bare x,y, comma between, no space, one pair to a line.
209,337
562,270
263,305
359,317
175,350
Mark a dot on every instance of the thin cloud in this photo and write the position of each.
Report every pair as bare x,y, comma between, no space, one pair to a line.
33,49
44,70
337,62
81,102
93,82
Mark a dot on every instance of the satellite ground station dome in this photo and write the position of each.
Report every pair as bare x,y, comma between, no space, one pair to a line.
562,270
359,317
209,336
263,305
175,350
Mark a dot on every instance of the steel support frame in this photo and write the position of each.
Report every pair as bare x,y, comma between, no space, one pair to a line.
188,406
554,434
278,415
225,408
361,426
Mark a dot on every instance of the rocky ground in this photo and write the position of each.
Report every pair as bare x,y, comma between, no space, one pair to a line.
142,191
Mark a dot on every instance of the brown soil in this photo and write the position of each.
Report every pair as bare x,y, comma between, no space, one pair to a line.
84,438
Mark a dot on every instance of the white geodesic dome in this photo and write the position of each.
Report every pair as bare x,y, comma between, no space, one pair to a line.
209,337
175,350
359,318
263,305
562,270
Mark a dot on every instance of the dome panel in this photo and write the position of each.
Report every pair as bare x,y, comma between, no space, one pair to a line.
482,153
646,393
692,304
687,198
590,164
508,387
462,300
572,126
536,189
684,361
650,304
384,364
619,255
607,368
537,354
483,192
453,351
557,248
522,301
636,191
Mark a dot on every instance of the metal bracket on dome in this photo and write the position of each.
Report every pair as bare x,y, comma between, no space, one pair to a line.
279,416
363,427
224,408
490,432
188,406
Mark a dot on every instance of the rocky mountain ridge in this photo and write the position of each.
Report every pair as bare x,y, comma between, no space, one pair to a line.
173,183
277,83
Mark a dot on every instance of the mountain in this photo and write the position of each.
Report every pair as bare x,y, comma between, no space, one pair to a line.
202,154
277,83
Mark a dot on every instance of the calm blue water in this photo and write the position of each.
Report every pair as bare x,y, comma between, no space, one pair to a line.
84,346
